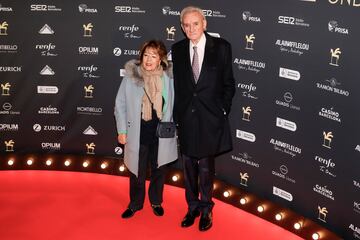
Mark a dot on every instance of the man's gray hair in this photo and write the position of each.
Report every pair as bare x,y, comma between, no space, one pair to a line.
190,9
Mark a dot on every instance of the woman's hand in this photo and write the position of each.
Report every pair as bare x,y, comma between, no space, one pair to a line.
122,138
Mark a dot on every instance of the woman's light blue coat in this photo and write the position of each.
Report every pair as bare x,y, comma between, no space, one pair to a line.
128,115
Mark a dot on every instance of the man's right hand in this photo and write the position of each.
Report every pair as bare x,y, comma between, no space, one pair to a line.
122,138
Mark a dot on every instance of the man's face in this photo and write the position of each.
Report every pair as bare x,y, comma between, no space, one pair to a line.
193,25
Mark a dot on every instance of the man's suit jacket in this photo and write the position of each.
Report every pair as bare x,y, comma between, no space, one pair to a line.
202,108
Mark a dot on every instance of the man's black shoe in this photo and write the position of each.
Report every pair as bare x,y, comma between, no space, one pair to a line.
158,210
190,218
205,221
128,213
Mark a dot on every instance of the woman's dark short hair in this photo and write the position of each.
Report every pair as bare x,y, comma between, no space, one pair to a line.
159,46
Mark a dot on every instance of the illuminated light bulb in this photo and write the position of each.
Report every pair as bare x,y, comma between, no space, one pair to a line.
315,236
11,162
243,201
260,208
122,168
49,162
67,162
297,225
175,178
86,164
30,161
279,217
227,194
214,186
104,165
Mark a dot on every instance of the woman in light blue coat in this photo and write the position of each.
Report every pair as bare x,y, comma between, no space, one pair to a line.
145,97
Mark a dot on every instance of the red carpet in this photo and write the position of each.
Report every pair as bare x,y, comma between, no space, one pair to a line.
53,205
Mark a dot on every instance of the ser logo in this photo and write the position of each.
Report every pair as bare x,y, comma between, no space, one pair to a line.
35,7
122,9
208,13
286,20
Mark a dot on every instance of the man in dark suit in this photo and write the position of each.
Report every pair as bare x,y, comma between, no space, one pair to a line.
204,88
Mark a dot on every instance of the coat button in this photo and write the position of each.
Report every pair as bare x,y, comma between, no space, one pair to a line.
193,110
195,94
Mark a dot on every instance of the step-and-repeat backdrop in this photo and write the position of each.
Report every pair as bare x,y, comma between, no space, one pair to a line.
295,116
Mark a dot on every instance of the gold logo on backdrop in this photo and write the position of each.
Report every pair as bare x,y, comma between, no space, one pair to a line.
88,30
90,148
327,139
9,145
246,113
244,177
335,55
5,89
250,42
89,91
171,33
3,28
322,213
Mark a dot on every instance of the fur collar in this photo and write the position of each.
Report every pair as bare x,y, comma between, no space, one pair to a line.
132,71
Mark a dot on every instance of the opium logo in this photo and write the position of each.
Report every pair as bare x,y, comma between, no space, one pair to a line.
88,50
50,146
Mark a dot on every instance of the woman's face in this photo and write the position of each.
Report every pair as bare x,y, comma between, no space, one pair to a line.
151,59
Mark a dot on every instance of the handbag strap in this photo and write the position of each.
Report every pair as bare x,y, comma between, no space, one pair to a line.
152,105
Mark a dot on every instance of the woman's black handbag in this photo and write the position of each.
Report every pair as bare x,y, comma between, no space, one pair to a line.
166,130
163,129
